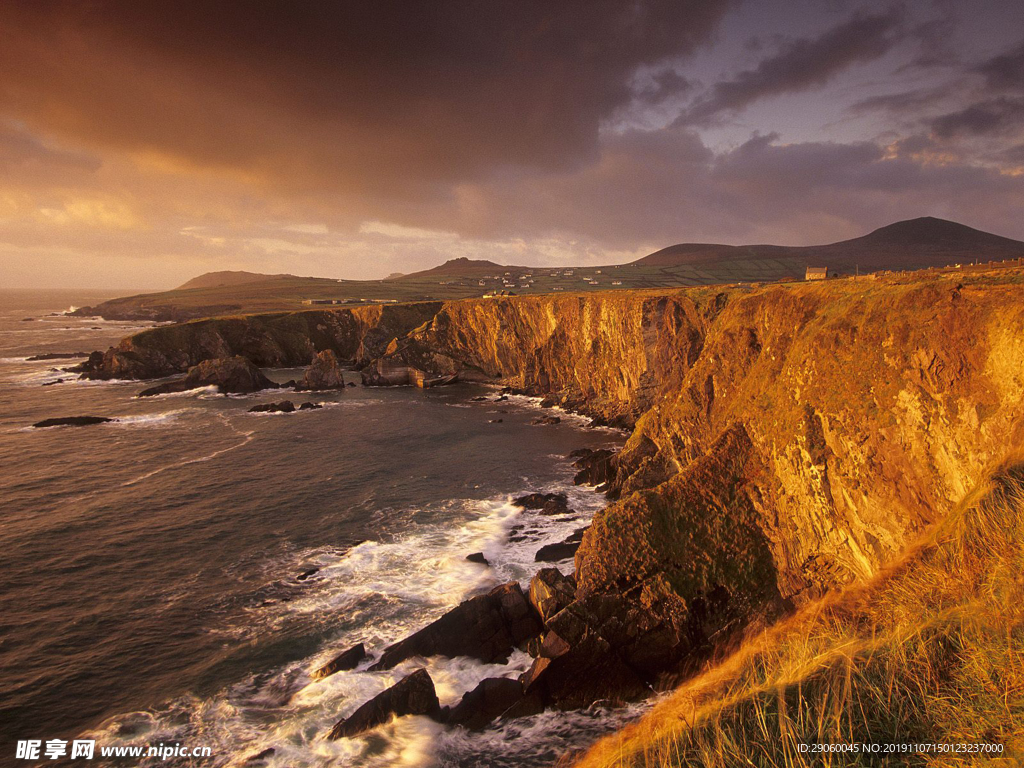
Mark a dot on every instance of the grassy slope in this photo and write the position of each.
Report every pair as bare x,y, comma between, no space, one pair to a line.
932,650
288,293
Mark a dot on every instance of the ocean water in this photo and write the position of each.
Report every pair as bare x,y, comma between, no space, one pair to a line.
149,591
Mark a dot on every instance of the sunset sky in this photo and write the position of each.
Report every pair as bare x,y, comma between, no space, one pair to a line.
142,143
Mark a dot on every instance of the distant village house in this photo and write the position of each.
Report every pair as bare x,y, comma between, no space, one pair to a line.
816,273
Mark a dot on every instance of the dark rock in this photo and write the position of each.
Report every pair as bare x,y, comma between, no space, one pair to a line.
495,421
413,695
487,627
90,366
540,500
530,704
544,420
231,375
550,592
285,406
477,557
28,319
549,402
583,674
552,553
500,398
310,406
546,503
57,356
51,383
491,699
72,421
307,573
323,373
347,660
350,384
596,467
580,658
479,399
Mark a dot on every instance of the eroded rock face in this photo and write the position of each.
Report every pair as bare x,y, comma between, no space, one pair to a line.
550,592
486,627
233,375
287,339
413,695
323,373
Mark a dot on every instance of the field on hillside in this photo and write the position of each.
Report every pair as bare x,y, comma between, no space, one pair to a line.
289,293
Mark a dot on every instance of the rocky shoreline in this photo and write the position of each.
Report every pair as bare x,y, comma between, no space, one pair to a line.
784,441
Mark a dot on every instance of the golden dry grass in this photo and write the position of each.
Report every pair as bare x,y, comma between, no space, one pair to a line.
930,651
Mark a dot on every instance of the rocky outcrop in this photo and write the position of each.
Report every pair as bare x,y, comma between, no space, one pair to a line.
487,627
233,375
413,695
72,421
323,373
287,339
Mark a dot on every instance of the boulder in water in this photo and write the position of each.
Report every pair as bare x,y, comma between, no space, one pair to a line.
552,553
546,503
285,406
487,627
72,421
413,695
323,373
477,557
231,375
545,420
347,660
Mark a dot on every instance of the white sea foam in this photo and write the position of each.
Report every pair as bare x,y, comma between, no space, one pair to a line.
150,419
200,392
246,437
384,590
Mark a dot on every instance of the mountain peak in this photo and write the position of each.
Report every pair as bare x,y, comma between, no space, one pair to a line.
929,230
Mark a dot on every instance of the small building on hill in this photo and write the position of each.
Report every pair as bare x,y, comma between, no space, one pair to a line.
497,294
816,273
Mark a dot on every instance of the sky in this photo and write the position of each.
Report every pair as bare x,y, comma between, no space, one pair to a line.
143,143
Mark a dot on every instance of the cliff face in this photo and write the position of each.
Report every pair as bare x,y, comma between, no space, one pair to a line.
271,340
786,439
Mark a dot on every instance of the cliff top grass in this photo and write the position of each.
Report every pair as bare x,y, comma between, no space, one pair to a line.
929,651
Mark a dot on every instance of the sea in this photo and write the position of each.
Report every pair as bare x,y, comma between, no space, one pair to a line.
157,582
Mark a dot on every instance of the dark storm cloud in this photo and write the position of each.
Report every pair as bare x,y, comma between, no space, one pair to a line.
799,65
1000,112
390,98
1005,71
992,117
